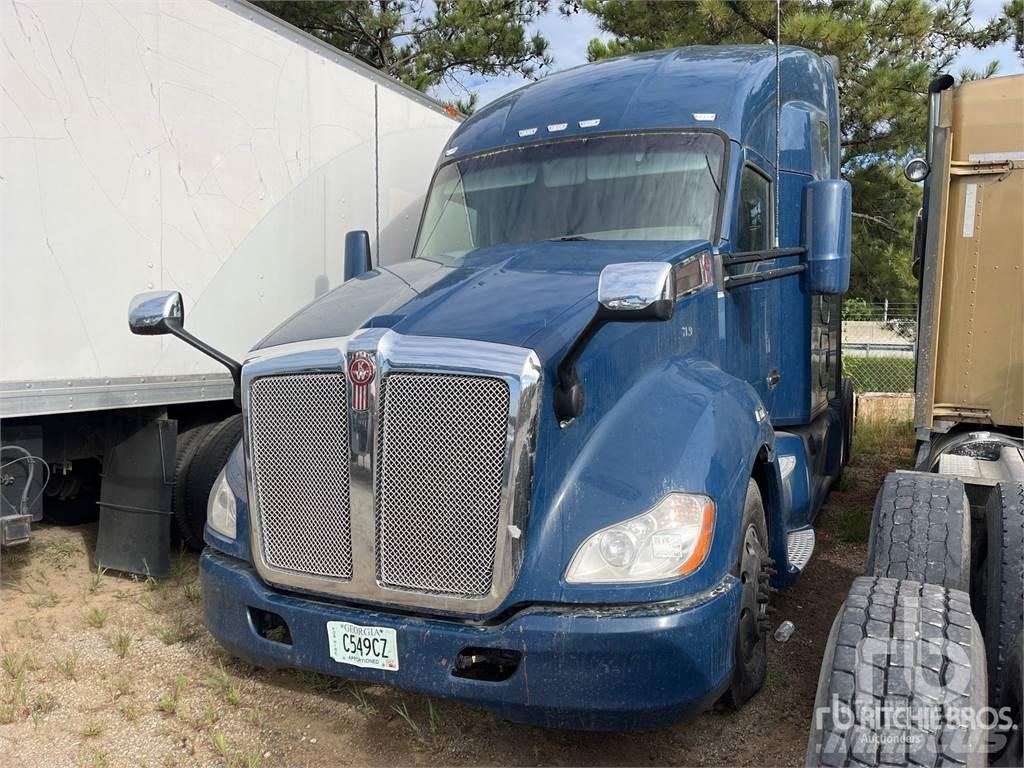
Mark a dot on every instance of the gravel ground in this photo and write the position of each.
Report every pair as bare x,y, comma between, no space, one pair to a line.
106,670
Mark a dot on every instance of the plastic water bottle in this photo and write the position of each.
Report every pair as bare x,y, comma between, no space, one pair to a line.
785,631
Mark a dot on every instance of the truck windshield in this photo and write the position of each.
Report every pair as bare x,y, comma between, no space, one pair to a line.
635,187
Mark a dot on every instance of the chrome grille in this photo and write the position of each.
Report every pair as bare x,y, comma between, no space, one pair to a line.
300,452
439,480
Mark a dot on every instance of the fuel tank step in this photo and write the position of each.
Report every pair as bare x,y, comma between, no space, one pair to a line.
800,545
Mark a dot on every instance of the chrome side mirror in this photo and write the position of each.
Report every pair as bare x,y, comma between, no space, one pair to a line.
159,312
636,292
626,293
917,169
155,312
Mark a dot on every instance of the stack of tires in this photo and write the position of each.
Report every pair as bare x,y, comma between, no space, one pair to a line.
203,451
915,673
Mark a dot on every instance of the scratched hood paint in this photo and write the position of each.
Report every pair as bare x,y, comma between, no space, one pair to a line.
507,294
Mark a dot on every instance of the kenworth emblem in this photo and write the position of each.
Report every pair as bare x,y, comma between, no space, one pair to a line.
361,370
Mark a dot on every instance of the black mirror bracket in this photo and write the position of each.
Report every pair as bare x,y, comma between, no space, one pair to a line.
177,328
568,389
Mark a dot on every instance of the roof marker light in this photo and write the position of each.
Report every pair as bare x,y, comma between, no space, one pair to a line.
523,132
450,151
704,117
590,123
555,127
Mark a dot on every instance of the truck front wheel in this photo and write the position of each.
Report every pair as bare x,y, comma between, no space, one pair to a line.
752,569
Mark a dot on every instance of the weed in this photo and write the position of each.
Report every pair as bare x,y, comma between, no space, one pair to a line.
127,709
98,759
96,580
120,642
180,631
256,716
69,665
192,592
44,703
95,617
47,599
181,566
169,703
220,743
222,682
208,719
146,601
59,553
92,729
12,664
324,683
362,703
12,698
403,712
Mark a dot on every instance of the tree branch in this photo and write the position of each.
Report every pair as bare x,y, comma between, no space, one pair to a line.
879,221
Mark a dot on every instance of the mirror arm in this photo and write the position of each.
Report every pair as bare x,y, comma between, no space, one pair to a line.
748,257
568,390
760,277
177,328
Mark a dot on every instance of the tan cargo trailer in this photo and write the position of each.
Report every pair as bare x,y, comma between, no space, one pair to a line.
969,403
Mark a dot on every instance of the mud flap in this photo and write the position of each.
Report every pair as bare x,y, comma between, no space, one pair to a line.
135,496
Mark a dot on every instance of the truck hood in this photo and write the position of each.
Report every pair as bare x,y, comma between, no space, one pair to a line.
505,294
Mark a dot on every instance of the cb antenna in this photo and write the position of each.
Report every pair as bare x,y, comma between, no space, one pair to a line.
778,118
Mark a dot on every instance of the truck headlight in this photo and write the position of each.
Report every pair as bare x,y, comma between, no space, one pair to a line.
669,541
220,510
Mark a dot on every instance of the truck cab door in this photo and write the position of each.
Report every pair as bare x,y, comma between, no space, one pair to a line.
752,316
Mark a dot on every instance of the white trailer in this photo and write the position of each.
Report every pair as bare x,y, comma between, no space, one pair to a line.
197,145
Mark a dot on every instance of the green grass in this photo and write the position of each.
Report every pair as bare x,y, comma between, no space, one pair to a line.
889,441
880,374
878,447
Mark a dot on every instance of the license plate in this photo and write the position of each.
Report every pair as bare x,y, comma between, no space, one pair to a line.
372,647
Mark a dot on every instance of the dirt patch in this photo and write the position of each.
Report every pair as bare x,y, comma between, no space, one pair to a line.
105,670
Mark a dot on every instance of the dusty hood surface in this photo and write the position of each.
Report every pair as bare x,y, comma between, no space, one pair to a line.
505,294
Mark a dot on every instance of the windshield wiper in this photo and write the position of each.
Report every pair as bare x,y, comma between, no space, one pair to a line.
569,238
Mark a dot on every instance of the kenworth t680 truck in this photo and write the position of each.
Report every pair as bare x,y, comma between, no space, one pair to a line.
555,464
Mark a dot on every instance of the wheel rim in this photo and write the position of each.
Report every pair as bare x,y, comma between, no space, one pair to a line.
753,611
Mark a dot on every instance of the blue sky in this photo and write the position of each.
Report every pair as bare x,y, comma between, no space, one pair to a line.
568,38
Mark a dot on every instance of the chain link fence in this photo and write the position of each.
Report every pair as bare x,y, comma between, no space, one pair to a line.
878,345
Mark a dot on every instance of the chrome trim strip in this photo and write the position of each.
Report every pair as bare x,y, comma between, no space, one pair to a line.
394,352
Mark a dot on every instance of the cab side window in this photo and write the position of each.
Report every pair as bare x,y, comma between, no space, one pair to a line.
753,220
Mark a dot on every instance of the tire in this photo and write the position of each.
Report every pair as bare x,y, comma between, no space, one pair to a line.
211,455
188,443
1004,603
899,646
752,569
921,530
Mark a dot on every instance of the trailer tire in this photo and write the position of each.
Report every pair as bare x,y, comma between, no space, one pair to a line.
210,457
185,453
1004,601
921,530
752,569
899,647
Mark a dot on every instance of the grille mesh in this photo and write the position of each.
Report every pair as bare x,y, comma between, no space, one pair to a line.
300,450
439,480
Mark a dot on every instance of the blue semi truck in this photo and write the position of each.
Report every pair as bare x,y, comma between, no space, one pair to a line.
556,463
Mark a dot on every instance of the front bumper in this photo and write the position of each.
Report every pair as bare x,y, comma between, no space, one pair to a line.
578,667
